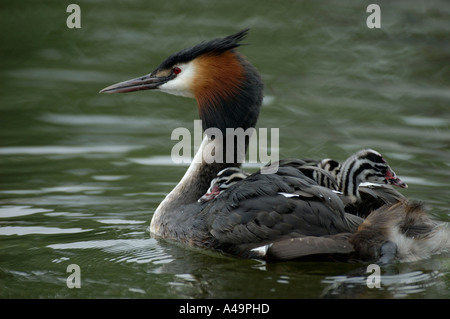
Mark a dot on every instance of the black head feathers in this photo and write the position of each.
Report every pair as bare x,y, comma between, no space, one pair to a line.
216,46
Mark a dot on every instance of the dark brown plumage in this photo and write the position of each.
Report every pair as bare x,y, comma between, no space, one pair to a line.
403,231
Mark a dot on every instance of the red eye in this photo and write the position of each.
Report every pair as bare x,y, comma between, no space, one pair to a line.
176,70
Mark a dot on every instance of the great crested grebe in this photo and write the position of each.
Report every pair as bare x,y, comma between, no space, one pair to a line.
252,216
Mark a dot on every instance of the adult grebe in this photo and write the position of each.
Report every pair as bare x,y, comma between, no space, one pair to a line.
251,214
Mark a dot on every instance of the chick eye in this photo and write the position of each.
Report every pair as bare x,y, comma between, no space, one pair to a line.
176,70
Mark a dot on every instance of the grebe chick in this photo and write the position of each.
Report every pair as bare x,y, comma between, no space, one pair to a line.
224,180
403,232
365,166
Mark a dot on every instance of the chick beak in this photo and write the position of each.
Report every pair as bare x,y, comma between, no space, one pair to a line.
392,179
214,191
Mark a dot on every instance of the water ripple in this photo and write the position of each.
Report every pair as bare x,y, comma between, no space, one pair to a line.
64,150
126,250
398,285
9,211
27,230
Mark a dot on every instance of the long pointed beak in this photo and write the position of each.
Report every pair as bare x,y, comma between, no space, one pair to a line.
392,179
146,82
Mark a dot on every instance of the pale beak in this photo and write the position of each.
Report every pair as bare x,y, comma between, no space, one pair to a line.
214,191
392,179
146,82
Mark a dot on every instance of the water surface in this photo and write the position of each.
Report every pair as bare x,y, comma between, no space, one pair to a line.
81,173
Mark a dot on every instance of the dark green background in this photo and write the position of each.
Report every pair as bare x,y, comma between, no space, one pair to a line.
81,173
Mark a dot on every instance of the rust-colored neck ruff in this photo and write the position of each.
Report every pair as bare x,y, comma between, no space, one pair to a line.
219,78
228,91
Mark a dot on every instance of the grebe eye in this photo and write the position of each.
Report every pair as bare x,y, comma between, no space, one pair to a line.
176,70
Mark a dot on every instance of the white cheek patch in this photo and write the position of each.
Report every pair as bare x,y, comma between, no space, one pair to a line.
181,85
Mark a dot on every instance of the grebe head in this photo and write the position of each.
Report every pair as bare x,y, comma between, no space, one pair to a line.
369,166
224,180
226,86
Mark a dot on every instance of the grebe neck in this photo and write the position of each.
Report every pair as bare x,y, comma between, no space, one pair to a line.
222,105
194,183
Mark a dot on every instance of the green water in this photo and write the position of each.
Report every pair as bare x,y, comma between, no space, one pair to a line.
81,173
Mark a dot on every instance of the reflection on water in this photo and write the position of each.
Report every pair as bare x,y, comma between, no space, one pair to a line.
16,211
81,173
19,231
64,150
127,250
397,281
